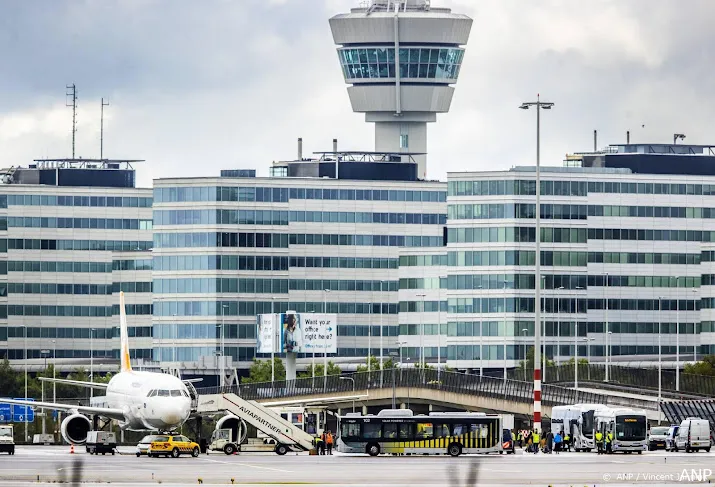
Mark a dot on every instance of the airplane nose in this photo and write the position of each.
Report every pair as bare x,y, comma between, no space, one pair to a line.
173,414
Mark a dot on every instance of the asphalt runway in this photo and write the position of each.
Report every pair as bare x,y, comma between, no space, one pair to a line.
55,464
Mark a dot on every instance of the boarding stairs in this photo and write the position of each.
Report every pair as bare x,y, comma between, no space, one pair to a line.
263,419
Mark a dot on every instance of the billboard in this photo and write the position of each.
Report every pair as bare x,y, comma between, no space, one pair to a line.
297,333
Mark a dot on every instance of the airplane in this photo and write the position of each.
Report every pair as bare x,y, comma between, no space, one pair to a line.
140,401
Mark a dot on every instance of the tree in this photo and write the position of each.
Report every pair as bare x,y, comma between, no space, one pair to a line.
260,371
333,369
375,364
8,380
581,361
706,366
423,365
545,362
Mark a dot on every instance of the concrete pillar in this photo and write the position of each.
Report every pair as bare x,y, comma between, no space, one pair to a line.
364,410
290,366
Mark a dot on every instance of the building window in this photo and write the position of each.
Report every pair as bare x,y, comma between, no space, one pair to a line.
404,141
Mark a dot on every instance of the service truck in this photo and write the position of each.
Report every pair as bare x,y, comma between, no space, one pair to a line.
7,441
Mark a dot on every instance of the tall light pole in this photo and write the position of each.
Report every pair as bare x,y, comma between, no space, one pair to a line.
44,353
607,332
505,282
352,379
274,332
537,273
24,327
173,339
524,331
677,335
660,355
439,328
91,361
223,343
422,312
54,370
558,332
325,344
381,332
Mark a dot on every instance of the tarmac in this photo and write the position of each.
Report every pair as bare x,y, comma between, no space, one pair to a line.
53,464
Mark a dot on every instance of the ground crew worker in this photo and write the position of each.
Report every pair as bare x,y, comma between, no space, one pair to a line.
520,438
535,442
599,442
329,439
322,443
567,442
609,442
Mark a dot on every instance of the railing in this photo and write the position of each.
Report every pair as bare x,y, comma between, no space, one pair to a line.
676,411
512,390
699,385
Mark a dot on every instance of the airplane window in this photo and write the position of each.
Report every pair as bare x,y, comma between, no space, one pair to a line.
152,393
163,393
175,393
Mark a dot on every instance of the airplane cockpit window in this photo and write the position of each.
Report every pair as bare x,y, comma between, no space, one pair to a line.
151,393
163,393
175,393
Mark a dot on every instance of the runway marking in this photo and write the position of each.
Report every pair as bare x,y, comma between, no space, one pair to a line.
251,466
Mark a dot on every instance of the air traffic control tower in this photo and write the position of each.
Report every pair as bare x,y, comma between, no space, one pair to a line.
425,43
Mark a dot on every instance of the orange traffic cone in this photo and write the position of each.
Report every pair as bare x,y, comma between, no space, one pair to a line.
71,448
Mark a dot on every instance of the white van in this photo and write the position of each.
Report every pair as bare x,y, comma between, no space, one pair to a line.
693,435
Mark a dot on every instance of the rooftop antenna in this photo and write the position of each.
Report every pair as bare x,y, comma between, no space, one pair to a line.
101,130
72,102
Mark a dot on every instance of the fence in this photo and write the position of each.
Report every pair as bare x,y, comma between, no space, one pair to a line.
512,390
642,378
677,411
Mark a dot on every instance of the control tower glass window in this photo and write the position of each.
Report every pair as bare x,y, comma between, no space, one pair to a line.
415,63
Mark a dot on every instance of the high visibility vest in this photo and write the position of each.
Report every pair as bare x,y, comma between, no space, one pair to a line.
609,437
536,437
330,438
599,436
567,438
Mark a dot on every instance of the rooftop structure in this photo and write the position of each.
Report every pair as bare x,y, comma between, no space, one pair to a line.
401,59
109,173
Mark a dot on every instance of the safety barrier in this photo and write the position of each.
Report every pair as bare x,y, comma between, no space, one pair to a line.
677,411
455,382
690,384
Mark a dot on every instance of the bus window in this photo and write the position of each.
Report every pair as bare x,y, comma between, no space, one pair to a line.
441,430
350,430
458,429
371,431
389,431
424,431
405,431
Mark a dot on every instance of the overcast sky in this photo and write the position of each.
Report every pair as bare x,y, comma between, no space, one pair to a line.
202,85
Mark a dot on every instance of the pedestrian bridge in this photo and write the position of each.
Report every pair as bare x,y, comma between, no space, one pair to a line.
449,389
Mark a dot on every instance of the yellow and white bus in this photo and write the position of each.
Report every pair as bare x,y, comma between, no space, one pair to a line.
400,431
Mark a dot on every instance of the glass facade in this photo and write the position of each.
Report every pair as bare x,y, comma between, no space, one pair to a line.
416,63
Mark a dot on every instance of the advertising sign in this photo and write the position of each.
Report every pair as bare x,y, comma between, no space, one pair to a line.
266,334
297,333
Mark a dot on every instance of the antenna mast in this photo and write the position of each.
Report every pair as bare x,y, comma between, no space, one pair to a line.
101,130
72,102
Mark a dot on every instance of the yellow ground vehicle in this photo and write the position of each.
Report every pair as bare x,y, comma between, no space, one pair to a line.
173,445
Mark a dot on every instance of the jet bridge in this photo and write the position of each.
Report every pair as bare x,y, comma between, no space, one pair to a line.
263,419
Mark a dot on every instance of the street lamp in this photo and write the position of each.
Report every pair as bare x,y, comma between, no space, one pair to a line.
677,336
381,332
325,348
537,272
223,342
393,354
175,332
439,327
558,332
352,379
606,330
91,361
588,354
44,353
524,331
660,355
422,351
24,328
54,370
505,283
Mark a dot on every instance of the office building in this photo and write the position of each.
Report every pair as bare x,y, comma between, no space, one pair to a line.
626,252
73,233
227,249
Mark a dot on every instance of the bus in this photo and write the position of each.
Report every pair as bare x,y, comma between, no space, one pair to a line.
578,421
629,428
400,431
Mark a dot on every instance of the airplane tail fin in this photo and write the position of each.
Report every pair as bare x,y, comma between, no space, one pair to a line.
123,336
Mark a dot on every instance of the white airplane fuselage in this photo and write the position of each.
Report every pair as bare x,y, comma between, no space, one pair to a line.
168,407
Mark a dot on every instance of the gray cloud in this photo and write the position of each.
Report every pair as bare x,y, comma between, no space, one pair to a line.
199,86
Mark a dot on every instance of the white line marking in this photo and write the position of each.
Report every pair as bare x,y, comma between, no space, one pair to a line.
249,465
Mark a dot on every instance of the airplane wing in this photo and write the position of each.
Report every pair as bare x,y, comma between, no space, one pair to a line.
94,385
110,413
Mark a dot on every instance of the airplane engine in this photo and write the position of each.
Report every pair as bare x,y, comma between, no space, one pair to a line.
235,424
75,428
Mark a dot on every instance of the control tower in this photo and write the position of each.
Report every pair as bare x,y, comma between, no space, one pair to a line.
401,59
